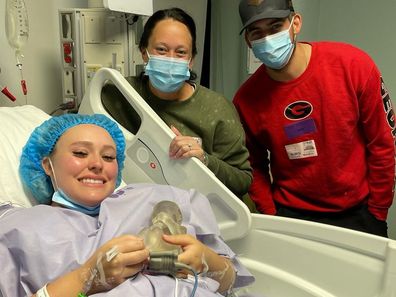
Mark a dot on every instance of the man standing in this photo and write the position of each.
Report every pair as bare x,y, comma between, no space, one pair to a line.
319,124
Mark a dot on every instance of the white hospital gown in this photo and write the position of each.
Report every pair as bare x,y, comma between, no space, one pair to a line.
41,243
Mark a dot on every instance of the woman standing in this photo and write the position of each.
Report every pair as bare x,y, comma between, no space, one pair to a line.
205,123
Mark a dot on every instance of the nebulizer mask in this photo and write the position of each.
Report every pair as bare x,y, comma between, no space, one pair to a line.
166,218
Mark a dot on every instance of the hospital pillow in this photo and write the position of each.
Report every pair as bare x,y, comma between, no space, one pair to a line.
16,124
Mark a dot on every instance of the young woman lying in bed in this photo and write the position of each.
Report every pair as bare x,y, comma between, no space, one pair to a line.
81,238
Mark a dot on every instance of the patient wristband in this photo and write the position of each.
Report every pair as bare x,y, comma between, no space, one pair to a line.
43,292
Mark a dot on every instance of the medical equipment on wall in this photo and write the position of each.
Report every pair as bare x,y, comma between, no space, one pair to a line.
136,7
97,37
7,93
17,31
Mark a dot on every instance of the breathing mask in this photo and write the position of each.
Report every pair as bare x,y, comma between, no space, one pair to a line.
166,218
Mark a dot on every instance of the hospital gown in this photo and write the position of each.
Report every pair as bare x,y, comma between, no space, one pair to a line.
41,243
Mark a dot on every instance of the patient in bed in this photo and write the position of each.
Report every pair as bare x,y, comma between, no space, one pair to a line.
81,239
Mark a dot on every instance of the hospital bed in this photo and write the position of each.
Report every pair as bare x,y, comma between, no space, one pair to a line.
288,257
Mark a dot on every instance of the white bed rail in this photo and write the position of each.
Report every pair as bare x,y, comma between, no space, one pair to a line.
303,259
147,155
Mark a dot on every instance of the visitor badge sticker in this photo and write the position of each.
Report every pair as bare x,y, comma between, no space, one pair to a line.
300,150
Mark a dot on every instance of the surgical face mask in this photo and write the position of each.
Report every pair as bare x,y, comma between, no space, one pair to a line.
167,74
274,50
65,200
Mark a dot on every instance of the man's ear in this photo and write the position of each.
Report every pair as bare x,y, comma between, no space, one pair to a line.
45,163
249,44
297,23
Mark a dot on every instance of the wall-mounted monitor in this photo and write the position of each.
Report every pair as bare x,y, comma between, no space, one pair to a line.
139,7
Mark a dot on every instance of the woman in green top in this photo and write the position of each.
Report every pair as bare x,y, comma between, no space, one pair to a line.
205,123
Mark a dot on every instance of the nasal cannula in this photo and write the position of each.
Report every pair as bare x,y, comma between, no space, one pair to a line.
17,31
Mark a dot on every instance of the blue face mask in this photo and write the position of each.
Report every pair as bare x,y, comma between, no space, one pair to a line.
167,74
63,199
274,50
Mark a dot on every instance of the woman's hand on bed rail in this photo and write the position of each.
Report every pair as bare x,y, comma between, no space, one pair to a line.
183,147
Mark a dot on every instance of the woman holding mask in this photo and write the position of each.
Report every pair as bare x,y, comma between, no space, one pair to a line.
205,123
80,239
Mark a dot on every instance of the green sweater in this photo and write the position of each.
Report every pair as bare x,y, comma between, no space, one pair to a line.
206,114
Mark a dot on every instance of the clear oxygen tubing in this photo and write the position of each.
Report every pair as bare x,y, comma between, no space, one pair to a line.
17,32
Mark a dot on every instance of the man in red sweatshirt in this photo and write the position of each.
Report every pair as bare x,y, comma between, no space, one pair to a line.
319,124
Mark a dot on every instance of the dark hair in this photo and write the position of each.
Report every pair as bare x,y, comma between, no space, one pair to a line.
170,13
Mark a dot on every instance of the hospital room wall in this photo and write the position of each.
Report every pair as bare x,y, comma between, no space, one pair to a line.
369,25
365,23
41,65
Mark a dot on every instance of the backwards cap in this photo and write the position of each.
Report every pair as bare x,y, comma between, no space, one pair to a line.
42,142
254,10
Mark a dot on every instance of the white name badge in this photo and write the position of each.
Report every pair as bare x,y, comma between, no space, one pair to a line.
305,149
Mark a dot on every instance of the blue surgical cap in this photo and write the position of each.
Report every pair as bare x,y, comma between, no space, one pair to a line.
42,142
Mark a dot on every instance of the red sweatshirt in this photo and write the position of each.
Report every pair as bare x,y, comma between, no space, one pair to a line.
328,134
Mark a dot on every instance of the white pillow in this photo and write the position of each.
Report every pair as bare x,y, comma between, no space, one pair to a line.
16,125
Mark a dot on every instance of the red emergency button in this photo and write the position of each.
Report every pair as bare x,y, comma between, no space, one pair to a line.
68,59
67,52
67,48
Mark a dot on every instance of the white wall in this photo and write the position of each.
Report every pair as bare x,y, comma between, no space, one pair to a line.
367,24
364,23
41,65
309,10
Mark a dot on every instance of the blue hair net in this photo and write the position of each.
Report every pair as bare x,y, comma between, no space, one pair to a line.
42,142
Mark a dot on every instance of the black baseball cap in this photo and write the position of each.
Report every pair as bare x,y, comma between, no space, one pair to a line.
254,10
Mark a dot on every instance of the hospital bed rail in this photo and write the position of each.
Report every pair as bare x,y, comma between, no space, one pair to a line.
147,156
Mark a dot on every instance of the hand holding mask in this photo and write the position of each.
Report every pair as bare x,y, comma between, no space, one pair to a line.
166,219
